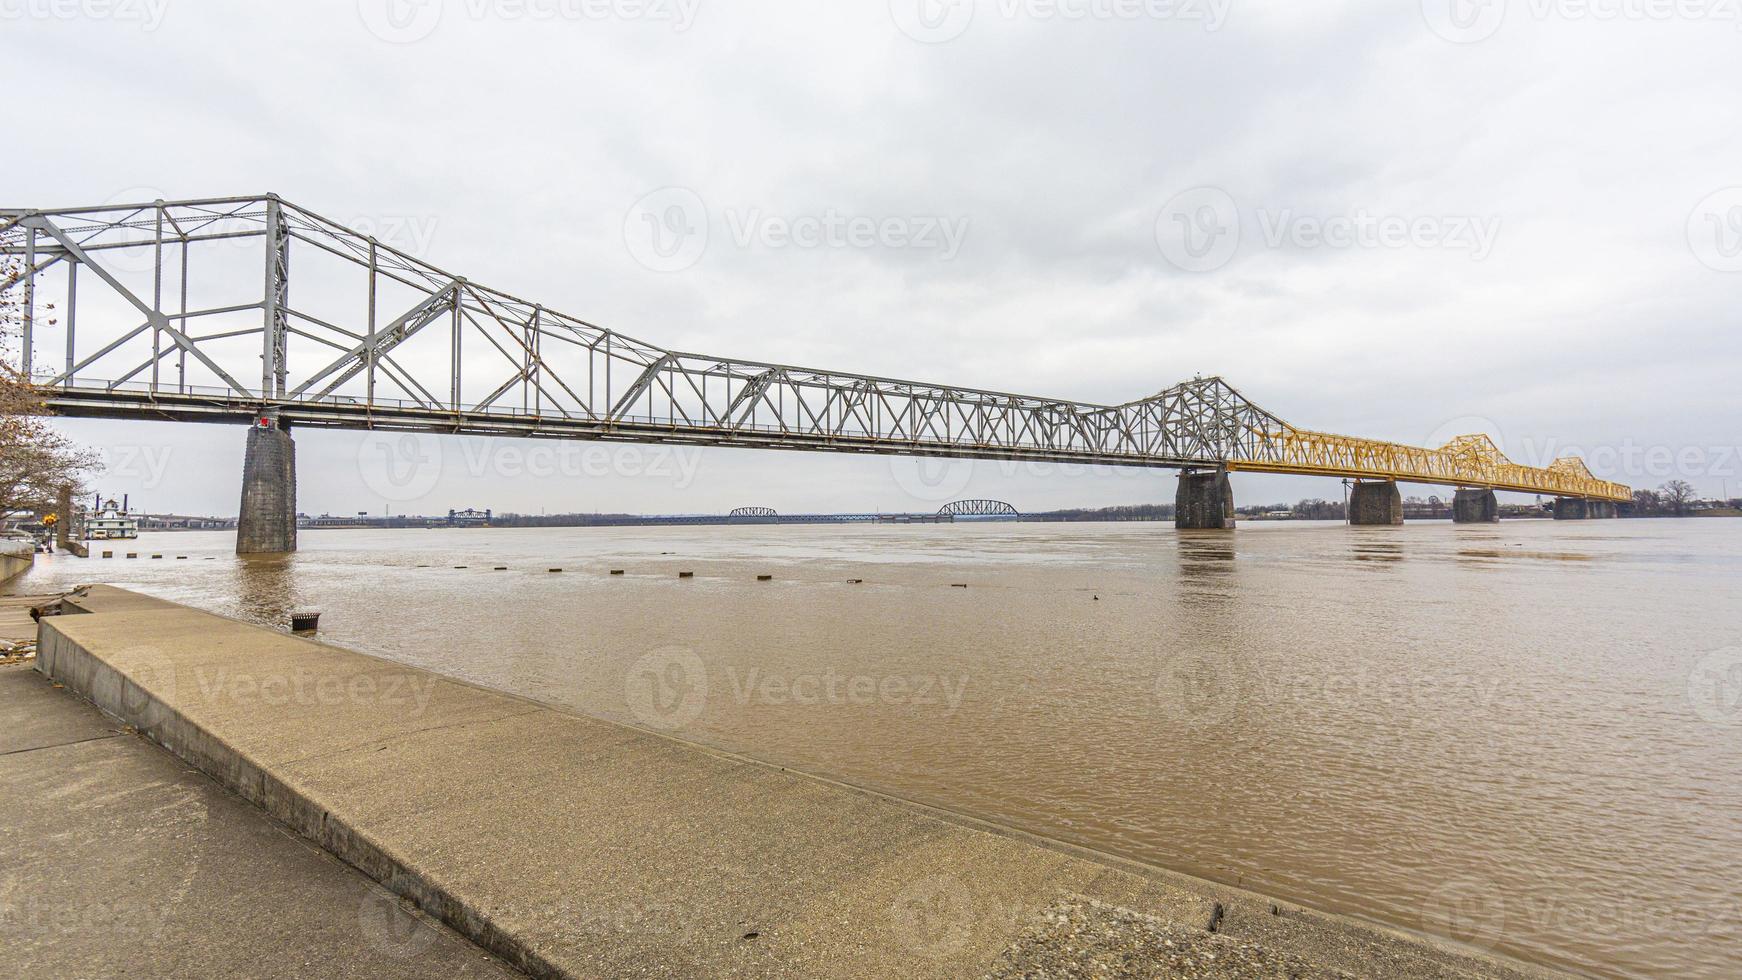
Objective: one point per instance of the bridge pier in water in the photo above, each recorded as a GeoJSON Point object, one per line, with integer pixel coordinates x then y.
{"type": "Point", "coordinates": [1204, 501]}
{"type": "Point", "coordinates": [1376, 503]}
{"type": "Point", "coordinates": [1582, 509]}
{"type": "Point", "coordinates": [1475, 507]}
{"type": "Point", "coordinates": [266, 523]}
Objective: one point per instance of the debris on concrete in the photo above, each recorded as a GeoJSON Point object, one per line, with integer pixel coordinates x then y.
{"type": "Point", "coordinates": [1083, 939]}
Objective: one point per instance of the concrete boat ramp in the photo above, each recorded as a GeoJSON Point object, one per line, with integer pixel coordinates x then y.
{"type": "Point", "coordinates": [562, 846]}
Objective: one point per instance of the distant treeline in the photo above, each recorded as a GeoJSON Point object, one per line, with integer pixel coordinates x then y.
{"type": "Point", "coordinates": [1127, 512]}
{"type": "Point", "coordinates": [564, 520]}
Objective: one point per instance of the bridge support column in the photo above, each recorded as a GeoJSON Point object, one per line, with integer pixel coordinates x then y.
{"type": "Point", "coordinates": [1205, 501]}
{"type": "Point", "coordinates": [1376, 503]}
{"type": "Point", "coordinates": [63, 528]}
{"type": "Point", "coordinates": [1475, 507]}
{"type": "Point", "coordinates": [1571, 509]}
{"type": "Point", "coordinates": [1601, 509]}
{"type": "Point", "coordinates": [266, 523]}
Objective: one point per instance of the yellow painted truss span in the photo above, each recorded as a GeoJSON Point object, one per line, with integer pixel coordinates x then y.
{"type": "Point", "coordinates": [1467, 461]}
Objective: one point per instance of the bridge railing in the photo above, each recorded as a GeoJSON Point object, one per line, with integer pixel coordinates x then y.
{"type": "Point", "coordinates": [191, 304]}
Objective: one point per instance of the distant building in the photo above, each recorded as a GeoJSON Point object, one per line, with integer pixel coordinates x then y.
{"type": "Point", "coordinates": [468, 518]}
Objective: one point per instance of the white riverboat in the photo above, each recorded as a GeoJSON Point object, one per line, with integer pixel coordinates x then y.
{"type": "Point", "coordinates": [110, 522]}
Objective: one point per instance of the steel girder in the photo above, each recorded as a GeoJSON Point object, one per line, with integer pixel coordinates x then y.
{"type": "Point", "coordinates": [359, 343]}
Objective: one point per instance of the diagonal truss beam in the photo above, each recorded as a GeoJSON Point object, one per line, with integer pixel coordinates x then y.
{"type": "Point", "coordinates": [154, 316]}
{"type": "Point", "coordinates": [566, 370]}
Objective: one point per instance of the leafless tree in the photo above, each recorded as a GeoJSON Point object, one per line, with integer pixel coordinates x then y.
{"type": "Point", "coordinates": [1677, 495]}
{"type": "Point", "coordinates": [36, 463]}
{"type": "Point", "coordinates": [1646, 503]}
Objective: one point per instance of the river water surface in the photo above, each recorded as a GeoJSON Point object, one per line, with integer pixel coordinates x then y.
{"type": "Point", "coordinates": [1526, 736]}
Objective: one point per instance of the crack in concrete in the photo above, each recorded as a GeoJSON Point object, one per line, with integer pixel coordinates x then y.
{"type": "Point", "coordinates": [76, 741]}
{"type": "Point", "coordinates": [402, 736]}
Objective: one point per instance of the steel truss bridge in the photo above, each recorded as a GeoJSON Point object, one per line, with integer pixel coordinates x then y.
{"type": "Point", "coordinates": [978, 508]}
{"type": "Point", "coordinates": [229, 309]}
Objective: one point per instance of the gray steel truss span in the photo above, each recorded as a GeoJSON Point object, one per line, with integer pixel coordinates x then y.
{"type": "Point", "coordinates": [245, 307]}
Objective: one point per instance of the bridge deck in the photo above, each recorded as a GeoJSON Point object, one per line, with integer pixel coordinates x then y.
{"type": "Point", "coordinates": [373, 337]}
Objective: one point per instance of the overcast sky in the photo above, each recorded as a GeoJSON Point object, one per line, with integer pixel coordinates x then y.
{"type": "Point", "coordinates": [1404, 220]}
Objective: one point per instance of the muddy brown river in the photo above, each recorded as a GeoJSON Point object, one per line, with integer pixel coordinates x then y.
{"type": "Point", "coordinates": [1525, 736]}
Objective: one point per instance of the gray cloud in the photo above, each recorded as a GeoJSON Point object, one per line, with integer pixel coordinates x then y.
{"type": "Point", "coordinates": [510, 149]}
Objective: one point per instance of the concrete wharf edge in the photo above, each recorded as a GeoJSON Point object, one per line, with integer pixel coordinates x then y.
{"type": "Point", "coordinates": [571, 846]}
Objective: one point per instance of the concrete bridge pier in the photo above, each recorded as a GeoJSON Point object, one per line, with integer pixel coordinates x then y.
{"type": "Point", "coordinates": [1601, 509]}
{"type": "Point", "coordinates": [1572, 509]}
{"type": "Point", "coordinates": [1204, 501]}
{"type": "Point", "coordinates": [267, 520]}
{"type": "Point", "coordinates": [1475, 507]}
{"type": "Point", "coordinates": [1376, 503]}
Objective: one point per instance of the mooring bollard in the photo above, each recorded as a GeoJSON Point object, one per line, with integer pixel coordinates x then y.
{"type": "Point", "coordinates": [304, 622]}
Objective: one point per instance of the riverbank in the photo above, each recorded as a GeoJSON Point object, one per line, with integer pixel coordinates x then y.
{"type": "Point", "coordinates": [571, 846]}
{"type": "Point", "coordinates": [120, 861]}
{"type": "Point", "coordinates": [16, 558]}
